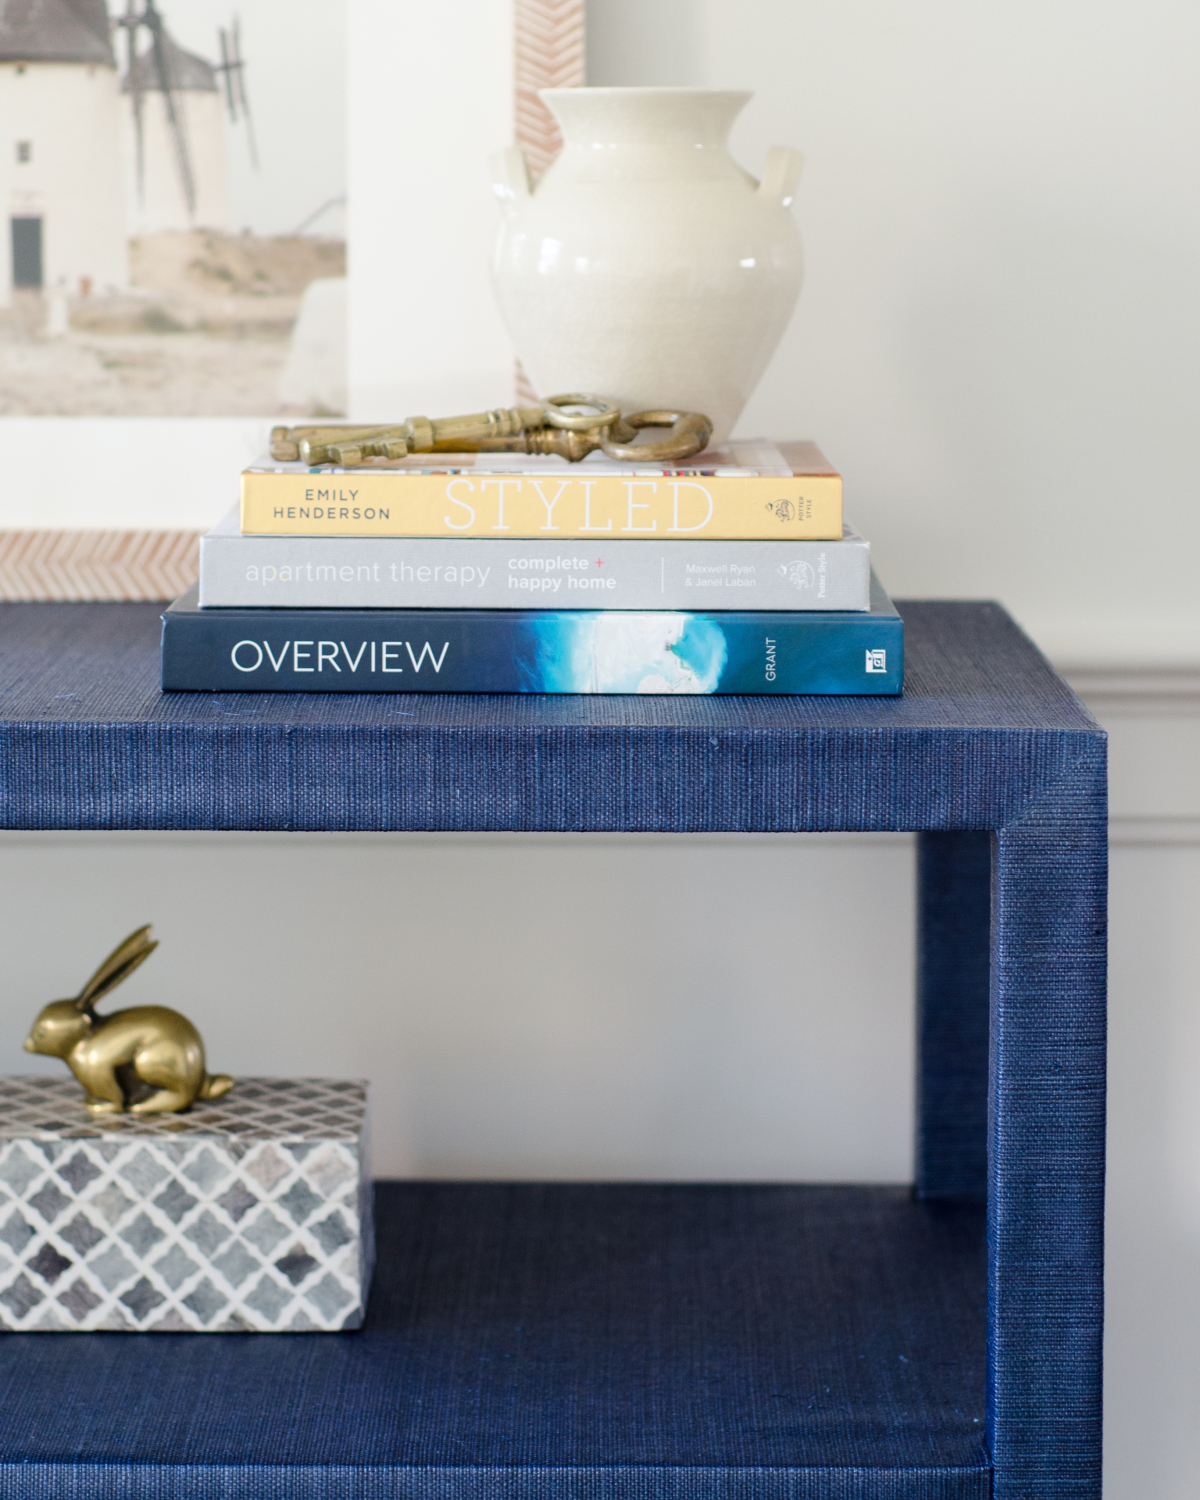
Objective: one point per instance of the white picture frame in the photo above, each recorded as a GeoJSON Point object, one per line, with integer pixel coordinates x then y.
{"type": "Point", "coordinates": [112, 507]}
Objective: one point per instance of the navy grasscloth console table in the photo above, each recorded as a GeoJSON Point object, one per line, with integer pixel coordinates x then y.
{"type": "Point", "coordinates": [643, 1342]}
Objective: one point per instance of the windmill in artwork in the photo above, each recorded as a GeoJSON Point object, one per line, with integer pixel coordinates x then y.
{"type": "Point", "coordinates": [177, 124]}
{"type": "Point", "coordinates": [232, 69]}
{"type": "Point", "coordinates": [61, 179]}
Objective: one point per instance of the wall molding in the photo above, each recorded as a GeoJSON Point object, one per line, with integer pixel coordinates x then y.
{"type": "Point", "coordinates": [1146, 709]}
{"type": "Point", "coordinates": [1154, 832]}
{"type": "Point", "coordinates": [1153, 687]}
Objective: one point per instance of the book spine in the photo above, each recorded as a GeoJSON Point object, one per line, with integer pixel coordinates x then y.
{"type": "Point", "coordinates": [476, 573]}
{"type": "Point", "coordinates": [606, 507]}
{"type": "Point", "coordinates": [539, 651]}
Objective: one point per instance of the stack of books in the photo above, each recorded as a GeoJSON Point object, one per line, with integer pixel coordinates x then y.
{"type": "Point", "coordinates": [501, 573]}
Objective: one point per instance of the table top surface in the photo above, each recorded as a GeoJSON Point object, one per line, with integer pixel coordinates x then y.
{"type": "Point", "coordinates": [90, 741]}
{"type": "Point", "coordinates": [968, 665]}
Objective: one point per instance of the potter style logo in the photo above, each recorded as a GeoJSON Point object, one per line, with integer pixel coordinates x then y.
{"type": "Point", "coordinates": [800, 575]}
{"type": "Point", "coordinates": [783, 510]}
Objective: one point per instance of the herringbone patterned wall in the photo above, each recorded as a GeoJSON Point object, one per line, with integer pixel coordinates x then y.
{"type": "Point", "coordinates": [77, 565]}
{"type": "Point", "coordinates": [549, 42]}
{"type": "Point", "coordinates": [549, 55]}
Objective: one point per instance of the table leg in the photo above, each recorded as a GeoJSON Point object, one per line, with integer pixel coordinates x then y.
{"type": "Point", "coordinates": [954, 914]}
{"type": "Point", "coordinates": [1046, 1146]}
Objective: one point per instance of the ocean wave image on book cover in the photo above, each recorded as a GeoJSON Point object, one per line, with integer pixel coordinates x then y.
{"type": "Point", "coordinates": [625, 653]}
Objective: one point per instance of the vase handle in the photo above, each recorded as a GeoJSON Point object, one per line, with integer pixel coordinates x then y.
{"type": "Point", "coordinates": [510, 178]}
{"type": "Point", "coordinates": [781, 173]}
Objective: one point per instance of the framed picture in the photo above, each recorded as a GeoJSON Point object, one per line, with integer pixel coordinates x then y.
{"type": "Point", "coordinates": [175, 182]}
{"type": "Point", "coordinates": [224, 212]}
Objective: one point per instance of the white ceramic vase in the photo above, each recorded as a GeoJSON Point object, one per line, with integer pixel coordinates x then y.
{"type": "Point", "coordinates": [646, 265]}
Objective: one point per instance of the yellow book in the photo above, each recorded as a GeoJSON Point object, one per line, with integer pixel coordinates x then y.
{"type": "Point", "coordinates": [745, 491]}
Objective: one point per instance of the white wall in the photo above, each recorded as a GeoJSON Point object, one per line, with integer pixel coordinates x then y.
{"type": "Point", "coordinates": [1152, 1372]}
{"type": "Point", "coordinates": [996, 339]}
{"type": "Point", "coordinates": [525, 1006]}
{"type": "Point", "coordinates": [424, 333]}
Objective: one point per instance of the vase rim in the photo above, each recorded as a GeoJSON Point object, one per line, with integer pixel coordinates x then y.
{"type": "Point", "coordinates": [664, 117]}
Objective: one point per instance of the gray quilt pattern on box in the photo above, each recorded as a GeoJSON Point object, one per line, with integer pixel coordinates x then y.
{"type": "Point", "coordinates": [251, 1213]}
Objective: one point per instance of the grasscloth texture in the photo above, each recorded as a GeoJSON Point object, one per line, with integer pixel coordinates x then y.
{"type": "Point", "coordinates": [953, 964]}
{"type": "Point", "coordinates": [731, 1297]}
{"type": "Point", "coordinates": [89, 742]}
{"type": "Point", "coordinates": [565, 1339]}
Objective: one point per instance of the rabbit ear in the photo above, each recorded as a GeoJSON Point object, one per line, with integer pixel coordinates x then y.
{"type": "Point", "coordinates": [119, 965]}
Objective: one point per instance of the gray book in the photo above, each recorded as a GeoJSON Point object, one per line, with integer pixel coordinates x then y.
{"type": "Point", "coordinates": [343, 572]}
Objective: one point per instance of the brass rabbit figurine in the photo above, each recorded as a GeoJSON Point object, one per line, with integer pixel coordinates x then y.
{"type": "Point", "coordinates": [147, 1060]}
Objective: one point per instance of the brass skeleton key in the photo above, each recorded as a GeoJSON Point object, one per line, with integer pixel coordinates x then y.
{"type": "Point", "coordinates": [570, 426]}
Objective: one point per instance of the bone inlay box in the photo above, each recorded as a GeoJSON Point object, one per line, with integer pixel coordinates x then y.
{"type": "Point", "coordinates": [248, 1214]}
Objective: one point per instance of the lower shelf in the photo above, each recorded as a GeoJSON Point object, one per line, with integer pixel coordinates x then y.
{"type": "Point", "coordinates": [562, 1342]}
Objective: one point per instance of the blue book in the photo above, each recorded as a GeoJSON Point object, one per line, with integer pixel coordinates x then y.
{"type": "Point", "coordinates": [531, 651]}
